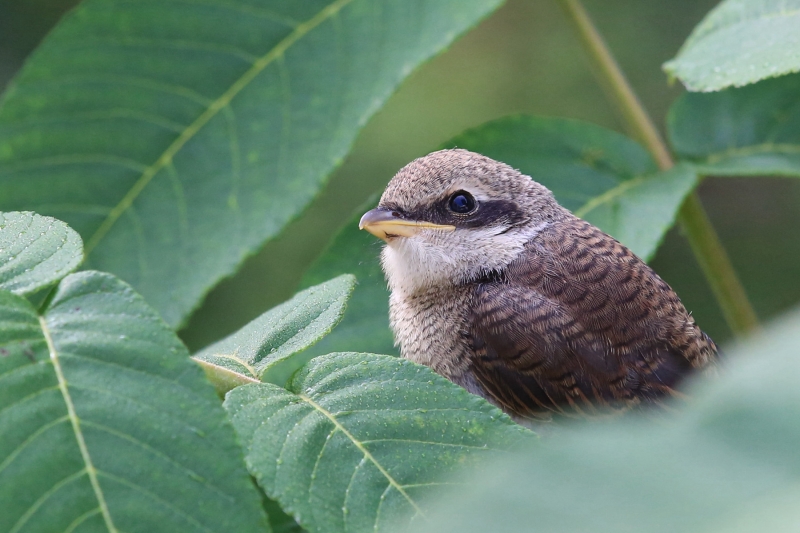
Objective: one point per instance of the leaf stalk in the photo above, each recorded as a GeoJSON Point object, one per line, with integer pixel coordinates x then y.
{"type": "Point", "coordinates": [693, 219]}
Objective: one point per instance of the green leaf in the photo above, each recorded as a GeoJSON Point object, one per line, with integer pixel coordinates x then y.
{"type": "Point", "coordinates": [268, 348]}
{"type": "Point", "coordinates": [751, 131]}
{"type": "Point", "coordinates": [601, 176]}
{"type": "Point", "coordinates": [728, 463]}
{"type": "Point", "coordinates": [106, 423]}
{"type": "Point", "coordinates": [359, 442]}
{"type": "Point", "coordinates": [35, 251]}
{"type": "Point", "coordinates": [740, 42]}
{"type": "Point", "coordinates": [365, 326]}
{"type": "Point", "coordinates": [176, 136]}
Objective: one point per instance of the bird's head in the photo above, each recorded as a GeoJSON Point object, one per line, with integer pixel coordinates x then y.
{"type": "Point", "coordinates": [454, 216]}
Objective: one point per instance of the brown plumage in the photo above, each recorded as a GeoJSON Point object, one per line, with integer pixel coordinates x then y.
{"type": "Point", "coordinates": [498, 288]}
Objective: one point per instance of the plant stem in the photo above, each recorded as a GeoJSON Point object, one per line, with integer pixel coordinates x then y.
{"type": "Point", "coordinates": [694, 221]}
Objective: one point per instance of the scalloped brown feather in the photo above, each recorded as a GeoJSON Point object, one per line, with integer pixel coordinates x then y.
{"type": "Point", "coordinates": [579, 321]}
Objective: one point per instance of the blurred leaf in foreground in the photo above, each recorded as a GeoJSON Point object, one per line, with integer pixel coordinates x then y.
{"type": "Point", "coordinates": [360, 442]}
{"type": "Point", "coordinates": [740, 42]}
{"type": "Point", "coordinates": [728, 462]}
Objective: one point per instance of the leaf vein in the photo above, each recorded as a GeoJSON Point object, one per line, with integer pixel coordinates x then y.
{"type": "Point", "coordinates": [72, 159]}
{"type": "Point", "coordinates": [609, 195]}
{"type": "Point", "coordinates": [175, 44]}
{"type": "Point", "coordinates": [81, 519]}
{"type": "Point", "coordinates": [135, 486]}
{"type": "Point", "coordinates": [363, 450]}
{"type": "Point", "coordinates": [413, 441]}
{"type": "Point", "coordinates": [211, 111]}
{"type": "Point", "coordinates": [130, 438]}
{"type": "Point", "coordinates": [32, 437]}
{"type": "Point", "coordinates": [44, 497]}
{"type": "Point", "coordinates": [76, 427]}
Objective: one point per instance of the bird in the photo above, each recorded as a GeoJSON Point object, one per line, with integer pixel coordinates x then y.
{"type": "Point", "coordinates": [503, 291]}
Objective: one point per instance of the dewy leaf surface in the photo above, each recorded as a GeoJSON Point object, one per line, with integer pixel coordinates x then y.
{"type": "Point", "coordinates": [176, 136]}
{"type": "Point", "coordinates": [267, 348]}
{"type": "Point", "coordinates": [107, 425]}
{"type": "Point", "coordinates": [359, 442]}
{"type": "Point", "coordinates": [740, 42]}
{"type": "Point", "coordinates": [727, 463]}
{"type": "Point", "coordinates": [751, 131]}
{"type": "Point", "coordinates": [35, 251]}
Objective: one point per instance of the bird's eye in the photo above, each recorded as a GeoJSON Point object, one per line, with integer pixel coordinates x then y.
{"type": "Point", "coordinates": [462, 202]}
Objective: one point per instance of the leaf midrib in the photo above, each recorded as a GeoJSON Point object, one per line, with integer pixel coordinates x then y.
{"type": "Point", "coordinates": [392, 482]}
{"type": "Point", "coordinates": [211, 110]}
{"type": "Point", "coordinates": [91, 471]}
{"type": "Point", "coordinates": [609, 195]}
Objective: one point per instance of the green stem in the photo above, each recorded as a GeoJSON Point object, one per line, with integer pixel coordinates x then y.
{"type": "Point", "coordinates": [716, 266]}
{"type": "Point", "coordinates": [702, 237]}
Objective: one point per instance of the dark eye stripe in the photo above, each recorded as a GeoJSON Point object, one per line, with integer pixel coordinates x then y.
{"type": "Point", "coordinates": [489, 213]}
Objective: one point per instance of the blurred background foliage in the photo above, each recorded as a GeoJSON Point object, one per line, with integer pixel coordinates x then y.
{"type": "Point", "coordinates": [524, 58]}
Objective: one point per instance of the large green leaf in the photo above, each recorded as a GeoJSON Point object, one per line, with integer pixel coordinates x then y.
{"type": "Point", "coordinates": [360, 442]}
{"type": "Point", "coordinates": [751, 131]}
{"type": "Point", "coordinates": [365, 326]}
{"type": "Point", "coordinates": [177, 135]}
{"type": "Point", "coordinates": [268, 348]}
{"type": "Point", "coordinates": [728, 463]}
{"type": "Point", "coordinates": [740, 42]}
{"type": "Point", "coordinates": [107, 425]}
{"type": "Point", "coordinates": [35, 251]}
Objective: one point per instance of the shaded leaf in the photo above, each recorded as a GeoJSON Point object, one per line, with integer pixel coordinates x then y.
{"type": "Point", "coordinates": [740, 42]}
{"type": "Point", "coordinates": [176, 136]}
{"type": "Point", "coordinates": [365, 326]}
{"type": "Point", "coordinates": [35, 251]}
{"type": "Point", "coordinates": [267, 348]}
{"type": "Point", "coordinates": [729, 462]}
{"type": "Point", "coordinates": [751, 131]}
{"type": "Point", "coordinates": [359, 442]}
{"type": "Point", "coordinates": [106, 423]}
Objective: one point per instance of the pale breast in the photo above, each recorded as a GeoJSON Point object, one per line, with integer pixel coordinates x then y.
{"type": "Point", "coordinates": [431, 329]}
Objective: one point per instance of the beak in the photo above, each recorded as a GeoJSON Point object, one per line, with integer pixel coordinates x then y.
{"type": "Point", "coordinates": [385, 223]}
